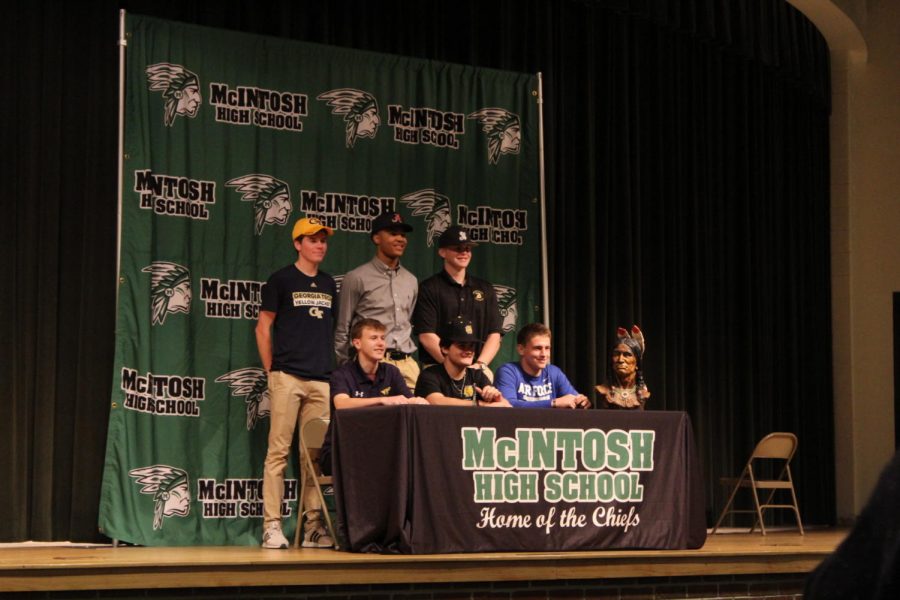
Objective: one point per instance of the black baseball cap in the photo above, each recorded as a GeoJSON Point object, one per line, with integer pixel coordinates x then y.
{"type": "Point", "coordinates": [389, 220]}
{"type": "Point", "coordinates": [460, 332]}
{"type": "Point", "coordinates": [454, 236]}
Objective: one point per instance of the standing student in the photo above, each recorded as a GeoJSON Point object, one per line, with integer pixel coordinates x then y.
{"type": "Point", "coordinates": [455, 295]}
{"type": "Point", "coordinates": [384, 290]}
{"type": "Point", "coordinates": [294, 336]}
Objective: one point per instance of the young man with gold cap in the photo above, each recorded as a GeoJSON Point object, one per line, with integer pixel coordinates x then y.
{"type": "Point", "coordinates": [295, 339]}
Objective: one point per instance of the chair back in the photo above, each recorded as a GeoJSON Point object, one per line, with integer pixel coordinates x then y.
{"type": "Point", "coordinates": [312, 436]}
{"type": "Point", "coordinates": [776, 445]}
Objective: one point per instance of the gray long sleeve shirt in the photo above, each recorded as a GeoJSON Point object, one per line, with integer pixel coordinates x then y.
{"type": "Point", "coordinates": [375, 291]}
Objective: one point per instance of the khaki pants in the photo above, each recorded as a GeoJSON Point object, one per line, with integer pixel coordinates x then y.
{"type": "Point", "coordinates": [408, 368]}
{"type": "Point", "coordinates": [290, 397]}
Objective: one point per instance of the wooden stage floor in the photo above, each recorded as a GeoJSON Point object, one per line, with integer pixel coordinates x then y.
{"type": "Point", "coordinates": [71, 567]}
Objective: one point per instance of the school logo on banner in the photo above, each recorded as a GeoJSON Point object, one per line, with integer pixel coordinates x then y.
{"type": "Point", "coordinates": [239, 498]}
{"type": "Point", "coordinates": [258, 107]}
{"type": "Point", "coordinates": [231, 298]}
{"type": "Point", "coordinates": [434, 207]}
{"type": "Point", "coordinates": [509, 309]}
{"type": "Point", "coordinates": [504, 133]}
{"type": "Point", "coordinates": [486, 224]}
{"type": "Point", "coordinates": [345, 212]}
{"type": "Point", "coordinates": [170, 488]}
{"type": "Point", "coordinates": [359, 109]}
{"type": "Point", "coordinates": [164, 395]}
{"type": "Point", "coordinates": [252, 385]}
{"type": "Point", "coordinates": [271, 198]}
{"type": "Point", "coordinates": [170, 290]}
{"type": "Point", "coordinates": [180, 90]}
{"type": "Point", "coordinates": [172, 196]}
{"type": "Point", "coordinates": [426, 126]}
{"type": "Point", "coordinates": [589, 468]}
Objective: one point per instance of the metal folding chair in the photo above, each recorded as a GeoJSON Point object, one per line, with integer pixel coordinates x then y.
{"type": "Point", "coordinates": [311, 437]}
{"type": "Point", "coordinates": [777, 446]}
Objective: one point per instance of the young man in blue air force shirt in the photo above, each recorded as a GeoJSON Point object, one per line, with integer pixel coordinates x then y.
{"type": "Point", "coordinates": [533, 382]}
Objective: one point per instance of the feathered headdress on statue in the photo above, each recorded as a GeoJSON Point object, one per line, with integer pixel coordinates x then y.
{"type": "Point", "coordinates": [634, 339]}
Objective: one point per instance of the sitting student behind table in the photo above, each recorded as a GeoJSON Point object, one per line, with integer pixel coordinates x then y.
{"type": "Point", "coordinates": [365, 380]}
{"type": "Point", "coordinates": [453, 382]}
{"type": "Point", "coordinates": [626, 389]}
{"type": "Point", "coordinates": [533, 382]}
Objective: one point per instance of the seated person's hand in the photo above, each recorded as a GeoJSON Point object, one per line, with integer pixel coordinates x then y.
{"type": "Point", "coordinates": [489, 394]}
{"type": "Point", "coordinates": [572, 401]}
{"type": "Point", "coordinates": [394, 400]}
{"type": "Point", "coordinates": [416, 400]}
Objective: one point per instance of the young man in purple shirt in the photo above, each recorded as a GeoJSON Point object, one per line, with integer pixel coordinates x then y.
{"type": "Point", "coordinates": [533, 382]}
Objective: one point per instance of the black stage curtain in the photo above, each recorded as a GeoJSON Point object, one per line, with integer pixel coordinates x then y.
{"type": "Point", "coordinates": [687, 163]}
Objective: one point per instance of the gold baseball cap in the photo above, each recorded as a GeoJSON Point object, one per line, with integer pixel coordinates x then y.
{"type": "Point", "coordinates": [309, 226]}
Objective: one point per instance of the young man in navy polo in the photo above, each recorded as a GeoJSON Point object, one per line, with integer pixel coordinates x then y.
{"type": "Point", "coordinates": [295, 339]}
{"type": "Point", "coordinates": [366, 380]}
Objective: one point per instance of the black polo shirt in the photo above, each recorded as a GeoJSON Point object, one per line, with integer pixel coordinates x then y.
{"type": "Point", "coordinates": [442, 300]}
{"type": "Point", "coordinates": [350, 379]}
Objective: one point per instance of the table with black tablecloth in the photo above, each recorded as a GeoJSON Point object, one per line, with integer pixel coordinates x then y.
{"type": "Point", "coordinates": [431, 479]}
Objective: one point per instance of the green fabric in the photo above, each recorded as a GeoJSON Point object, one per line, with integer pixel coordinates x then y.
{"type": "Point", "coordinates": [230, 138]}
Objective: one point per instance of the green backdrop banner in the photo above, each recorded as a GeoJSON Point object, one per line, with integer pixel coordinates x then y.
{"type": "Point", "coordinates": [229, 138]}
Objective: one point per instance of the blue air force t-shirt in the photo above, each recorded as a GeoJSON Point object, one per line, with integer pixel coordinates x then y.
{"type": "Point", "coordinates": [523, 390]}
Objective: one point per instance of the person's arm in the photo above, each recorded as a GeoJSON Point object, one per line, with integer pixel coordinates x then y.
{"type": "Point", "coordinates": [489, 349]}
{"type": "Point", "coordinates": [348, 299]}
{"type": "Point", "coordinates": [493, 328]}
{"type": "Point", "coordinates": [432, 344]}
{"type": "Point", "coordinates": [343, 401]}
{"type": "Point", "coordinates": [264, 338]}
{"type": "Point", "coordinates": [568, 395]}
{"type": "Point", "coordinates": [425, 323]}
{"type": "Point", "coordinates": [489, 395]}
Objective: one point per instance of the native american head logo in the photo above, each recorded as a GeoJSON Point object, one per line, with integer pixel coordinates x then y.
{"type": "Point", "coordinates": [180, 90]}
{"type": "Point", "coordinates": [503, 131]}
{"type": "Point", "coordinates": [509, 308]}
{"type": "Point", "coordinates": [170, 488]}
{"type": "Point", "coordinates": [359, 109]}
{"type": "Point", "coordinates": [271, 198]}
{"type": "Point", "coordinates": [253, 385]}
{"type": "Point", "coordinates": [170, 289]}
{"type": "Point", "coordinates": [434, 207]}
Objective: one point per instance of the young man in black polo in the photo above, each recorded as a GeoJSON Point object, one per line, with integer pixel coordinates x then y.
{"type": "Point", "coordinates": [453, 295]}
{"type": "Point", "coordinates": [454, 382]}
{"type": "Point", "coordinates": [366, 380]}
{"type": "Point", "coordinates": [295, 339]}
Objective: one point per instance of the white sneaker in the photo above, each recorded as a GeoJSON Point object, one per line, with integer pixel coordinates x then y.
{"type": "Point", "coordinates": [273, 537]}
{"type": "Point", "coordinates": [314, 533]}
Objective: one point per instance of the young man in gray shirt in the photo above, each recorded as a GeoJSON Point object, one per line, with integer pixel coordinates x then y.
{"type": "Point", "coordinates": [383, 290]}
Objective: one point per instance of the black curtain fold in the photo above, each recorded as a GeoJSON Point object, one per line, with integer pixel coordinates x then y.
{"type": "Point", "coordinates": [687, 183]}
